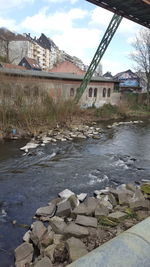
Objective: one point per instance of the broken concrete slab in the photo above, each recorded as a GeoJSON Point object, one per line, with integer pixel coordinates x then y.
{"type": "Point", "coordinates": [38, 231]}
{"type": "Point", "coordinates": [63, 209]}
{"type": "Point", "coordinates": [101, 210]}
{"type": "Point", "coordinates": [86, 221]}
{"type": "Point", "coordinates": [74, 201]}
{"type": "Point", "coordinates": [139, 204]}
{"type": "Point", "coordinates": [76, 230]}
{"type": "Point", "coordinates": [57, 225]}
{"type": "Point", "coordinates": [81, 209]}
{"type": "Point", "coordinates": [91, 204]}
{"type": "Point", "coordinates": [47, 211]}
{"type": "Point", "coordinates": [24, 254]}
{"type": "Point", "coordinates": [66, 193]}
{"type": "Point", "coordinates": [82, 197]}
{"type": "Point", "coordinates": [45, 262]}
{"type": "Point", "coordinates": [76, 248]}
{"type": "Point", "coordinates": [117, 216]}
{"type": "Point", "coordinates": [49, 252]}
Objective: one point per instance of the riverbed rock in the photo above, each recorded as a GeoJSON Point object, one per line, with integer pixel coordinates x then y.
{"type": "Point", "coordinates": [91, 204]}
{"type": "Point", "coordinates": [58, 238]}
{"type": "Point", "coordinates": [24, 254]}
{"type": "Point", "coordinates": [74, 201]}
{"type": "Point", "coordinates": [112, 199]}
{"type": "Point", "coordinates": [86, 221]}
{"type": "Point", "coordinates": [122, 195]}
{"type": "Point", "coordinates": [81, 209]}
{"type": "Point", "coordinates": [47, 211]}
{"type": "Point", "coordinates": [131, 187]}
{"type": "Point", "coordinates": [47, 239]}
{"type": "Point", "coordinates": [117, 216]}
{"type": "Point", "coordinates": [26, 236]}
{"type": "Point", "coordinates": [45, 262]}
{"type": "Point", "coordinates": [139, 204]}
{"type": "Point", "coordinates": [63, 209]}
{"type": "Point", "coordinates": [38, 231]}
{"type": "Point", "coordinates": [66, 193]}
{"type": "Point", "coordinates": [57, 225]}
{"type": "Point", "coordinates": [76, 248]}
{"type": "Point", "coordinates": [49, 252]}
{"type": "Point", "coordinates": [76, 230]}
{"type": "Point", "coordinates": [60, 253]}
{"type": "Point", "coordinates": [101, 210]}
{"type": "Point", "coordinates": [82, 197]}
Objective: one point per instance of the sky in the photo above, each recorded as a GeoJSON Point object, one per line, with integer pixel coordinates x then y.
{"type": "Point", "coordinates": [76, 26]}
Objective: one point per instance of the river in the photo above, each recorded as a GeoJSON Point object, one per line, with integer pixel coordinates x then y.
{"type": "Point", "coordinates": [27, 182]}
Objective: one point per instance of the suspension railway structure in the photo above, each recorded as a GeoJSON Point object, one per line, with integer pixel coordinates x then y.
{"type": "Point", "coordinates": [135, 10]}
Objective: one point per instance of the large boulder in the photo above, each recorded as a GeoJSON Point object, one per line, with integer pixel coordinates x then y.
{"type": "Point", "coordinates": [76, 248]}
{"type": "Point", "coordinates": [91, 204]}
{"type": "Point", "coordinates": [101, 210]}
{"type": "Point", "coordinates": [38, 231]}
{"type": "Point", "coordinates": [57, 225]}
{"type": "Point", "coordinates": [24, 254]}
{"type": "Point", "coordinates": [49, 252]}
{"type": "Point", "coordinates": [76, 230]}
{"type": "Point", "coordinates": [81, 209]}
{"type": "Point", "coordinates": [117, 216]}
{"type": "Point", "coordinates": [86, 221]}
{"type": "Point", "coordinates": [47, 211]}
{"type": "Point", "coordinates": [66, 193]}
{"type": "Point", "coordinates": [45, 262]}
{"type": "Point", "coordinates": [63, 209]}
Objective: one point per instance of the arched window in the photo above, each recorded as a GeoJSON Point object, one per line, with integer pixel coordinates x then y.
{"type": "Point", "coordinates": [104, 92]}
{"type": "Point", "coordinates": [72, 92]}
{"type": "Point", "coordinates": [95, 92]}
{"type": "Point", "coordinates": [90, 92]}
{"type": "Point", "coordinates": [108, 92]}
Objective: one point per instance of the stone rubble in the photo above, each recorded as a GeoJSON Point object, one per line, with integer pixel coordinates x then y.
{"type": "Point", "coordinates": [72, 225]}
{"type": "Point", "coordinates": [55, 135]}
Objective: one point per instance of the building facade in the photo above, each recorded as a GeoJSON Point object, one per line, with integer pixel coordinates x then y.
{"type": "Point", "coordinates": [128, 81]}
{"type": "Point", "coordinates": [62, 87]}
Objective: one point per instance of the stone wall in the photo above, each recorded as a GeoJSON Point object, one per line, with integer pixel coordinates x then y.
{"type": "Point", "coordinates": [60, 89]}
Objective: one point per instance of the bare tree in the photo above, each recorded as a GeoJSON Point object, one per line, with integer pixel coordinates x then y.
{"type": "Point", "coordinates": [141, 56]}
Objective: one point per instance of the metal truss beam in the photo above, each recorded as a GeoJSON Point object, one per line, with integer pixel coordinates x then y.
{"type": "Point", "coordinates": [113, 25]}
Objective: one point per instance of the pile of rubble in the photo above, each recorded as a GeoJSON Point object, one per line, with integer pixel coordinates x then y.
{"type": "Point", "coordinates": [80, 132]}
{"type": "Point", "coordinates": [72, 225]}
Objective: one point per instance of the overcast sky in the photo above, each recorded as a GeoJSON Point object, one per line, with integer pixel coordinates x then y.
{"type": "Point", "coordinates": [76, 26]}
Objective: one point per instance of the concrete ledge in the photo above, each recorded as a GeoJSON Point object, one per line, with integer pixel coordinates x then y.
{"type": "Point", "coordinates": [129, 249]}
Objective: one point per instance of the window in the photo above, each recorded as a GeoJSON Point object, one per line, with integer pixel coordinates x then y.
{"type": "Point", "coordinates": [108, 92]}
{"type": "Point", "coordinates": [90, 92]}
{"type": "Point", "coordinates": [72, 92]}
{"type": "Point", "coordinates": [95, 92]}
{"type": "Point", "coordinates": [104, 92]}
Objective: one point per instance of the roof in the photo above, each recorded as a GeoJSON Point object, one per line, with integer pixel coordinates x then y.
{"type": "Point", "coordinates": [51, 75]}
{"type": "Point", "coordinates": [12, 66]}
{"type": "Point", "coordinates": [32, 62]}
{"type": "Point", "coordinates": [135, 10]}
{"type": "Point", "coordinates": [67, 67]}
{"type": "Point", "coordinates": [134, 75]}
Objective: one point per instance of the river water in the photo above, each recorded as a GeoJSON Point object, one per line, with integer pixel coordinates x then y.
{"type": "Point", "coordinates": [27, 182]}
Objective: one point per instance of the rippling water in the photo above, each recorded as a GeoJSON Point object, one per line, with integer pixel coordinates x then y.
{"type": "Point", "coordinates": [29, 181]}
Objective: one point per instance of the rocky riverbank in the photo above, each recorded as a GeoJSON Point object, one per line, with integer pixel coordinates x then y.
{"type": "Point", "coordinates": [71, 225]}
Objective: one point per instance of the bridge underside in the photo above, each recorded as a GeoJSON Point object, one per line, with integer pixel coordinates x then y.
{"type": "Point", "coordinates": [135, 10]}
